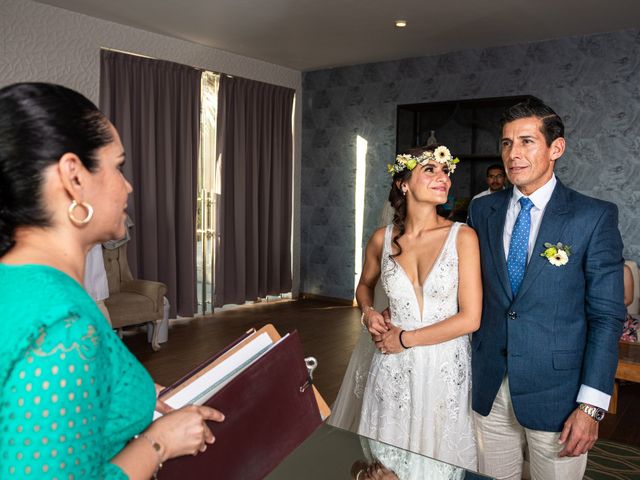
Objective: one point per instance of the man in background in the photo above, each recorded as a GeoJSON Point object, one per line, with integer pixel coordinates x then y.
{"type": "Point", "coordinates": [495, 180]}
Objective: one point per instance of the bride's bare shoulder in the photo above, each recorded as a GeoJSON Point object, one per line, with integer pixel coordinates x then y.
{"type": "Point", "coordinates": [378, 236]}
{"type": "Point", "coordinates": [467, 236]}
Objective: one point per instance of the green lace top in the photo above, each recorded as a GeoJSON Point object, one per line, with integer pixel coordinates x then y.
{"type": "Point", "coordinates": [71, 394]}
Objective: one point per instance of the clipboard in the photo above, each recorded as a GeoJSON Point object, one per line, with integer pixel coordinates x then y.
{"type": "Point", "coordinates": [270, 407]}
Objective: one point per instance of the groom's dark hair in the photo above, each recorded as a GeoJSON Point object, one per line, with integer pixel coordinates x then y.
{"type": "Point", "coordinates": [552, 126]}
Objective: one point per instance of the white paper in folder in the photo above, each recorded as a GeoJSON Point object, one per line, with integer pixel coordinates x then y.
{"type": "Point", "coordinates": [211, 381]}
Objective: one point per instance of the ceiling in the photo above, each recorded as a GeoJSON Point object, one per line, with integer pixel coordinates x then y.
{"type": "Point", "coordinates": [314, 34]}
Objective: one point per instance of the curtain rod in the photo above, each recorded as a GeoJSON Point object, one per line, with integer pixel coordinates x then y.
{"type": "Point", "coordinates": [154, 58]}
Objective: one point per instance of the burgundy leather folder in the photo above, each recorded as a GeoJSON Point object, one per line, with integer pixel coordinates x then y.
{"type": "Point", "coordinates": [269, 410]}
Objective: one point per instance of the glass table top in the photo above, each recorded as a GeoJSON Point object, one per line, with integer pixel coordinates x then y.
{"type": "Point", "coordinates": [333, 453]}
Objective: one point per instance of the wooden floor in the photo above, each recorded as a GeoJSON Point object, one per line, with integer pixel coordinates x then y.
{"type": "Point", "coordinates": [328, 332]}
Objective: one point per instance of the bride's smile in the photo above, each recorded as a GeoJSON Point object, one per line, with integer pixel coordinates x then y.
{"type": "Point", "coordinates": [433, 179]}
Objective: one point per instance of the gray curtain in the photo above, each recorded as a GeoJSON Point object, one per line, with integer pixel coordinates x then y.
{"type": "Point", "coordinates": [155, 106]}
{"type": "Point", "coordinates": [255, 142]}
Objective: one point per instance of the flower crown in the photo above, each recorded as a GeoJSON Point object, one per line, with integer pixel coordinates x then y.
{"type": "Point", "coordinates": [409, 162]}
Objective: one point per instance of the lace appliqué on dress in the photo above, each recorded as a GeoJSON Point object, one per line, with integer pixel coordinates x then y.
{"type": "Point", "coordinates": [395, 393]}
{"type": "Point", "coordinates": [360, 382]}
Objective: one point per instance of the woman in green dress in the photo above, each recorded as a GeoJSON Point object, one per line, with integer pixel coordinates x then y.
{"type": "Point", "coordinates": [74, 403]}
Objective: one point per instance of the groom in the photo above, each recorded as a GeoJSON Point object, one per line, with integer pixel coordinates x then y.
{"type": "Point", "coordinates": [545, 355]}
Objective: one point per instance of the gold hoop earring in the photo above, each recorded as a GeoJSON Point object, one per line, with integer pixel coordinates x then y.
{"type": "Point", "coordinates": [84, 205]}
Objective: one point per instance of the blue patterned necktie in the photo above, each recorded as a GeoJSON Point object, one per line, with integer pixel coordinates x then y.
{"type": "Point", "coordinates": [519, 246]}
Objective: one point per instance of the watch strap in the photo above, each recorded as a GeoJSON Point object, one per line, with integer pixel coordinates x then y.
{"type": "Point", "coordinates": [594, 412]}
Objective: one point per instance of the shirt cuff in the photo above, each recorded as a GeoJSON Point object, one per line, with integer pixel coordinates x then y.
{"type": "Point", "coordinates": [593, 397]}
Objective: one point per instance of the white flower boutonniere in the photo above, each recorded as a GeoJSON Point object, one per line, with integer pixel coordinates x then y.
{"type": "Point", "coordinates": [557, 254]}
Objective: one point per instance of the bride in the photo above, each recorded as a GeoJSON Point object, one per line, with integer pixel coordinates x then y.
{"type": "Point", "coordinates": [417, 393]}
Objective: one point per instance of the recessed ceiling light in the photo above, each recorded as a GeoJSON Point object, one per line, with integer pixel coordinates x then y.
{"type": "Point", "coordinates": [401, 23]}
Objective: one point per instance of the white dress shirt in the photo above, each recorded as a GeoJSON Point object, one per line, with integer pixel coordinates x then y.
{"type": "Point", "coordinates": [540, 198]}
{"type": "Point", "coordinates": [95, 275]}
{"type": "Point", "coordinates": [483, 193]}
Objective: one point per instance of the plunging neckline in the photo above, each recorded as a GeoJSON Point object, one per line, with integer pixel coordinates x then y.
{"type": "Point", "coordinates": [428, 276]}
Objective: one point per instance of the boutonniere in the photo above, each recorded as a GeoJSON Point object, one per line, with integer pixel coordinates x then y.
{"type": "Point", "coordinates": [557, 254]}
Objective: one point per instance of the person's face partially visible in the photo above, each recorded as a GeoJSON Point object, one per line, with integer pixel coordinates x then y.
{"type": "Point", "coordinates": [495, 179]}
{"type": "Point", "coordinates": [110, 189]}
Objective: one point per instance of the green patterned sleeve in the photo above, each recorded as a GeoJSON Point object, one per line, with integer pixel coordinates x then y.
{"type": "Point", "coordinates": [54, 407]}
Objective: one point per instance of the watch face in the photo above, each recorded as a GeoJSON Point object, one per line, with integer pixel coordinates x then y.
{"type": "Point", "coordinates": [599, 414]}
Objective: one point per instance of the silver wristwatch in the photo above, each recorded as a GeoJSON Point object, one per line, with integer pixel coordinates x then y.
{"type": "Point", "coordinates": [594, 412]}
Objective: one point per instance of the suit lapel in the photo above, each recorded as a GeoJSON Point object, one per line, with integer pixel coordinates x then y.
{"type": "Point", "coordinates": [551, 228]}
{"type": "Point", "coordinates": [495, 226]}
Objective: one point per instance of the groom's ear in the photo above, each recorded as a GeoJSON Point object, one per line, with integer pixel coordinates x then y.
{"type": "Point", "coordinates": [557, 148]}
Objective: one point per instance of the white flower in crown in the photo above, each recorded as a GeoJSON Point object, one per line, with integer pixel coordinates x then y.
{"type": "Point", "coordinates": [406, 161]}
{"type": "Point", "coordinates": [442, 154]}
{"type": "Point", "coordinates": [557, 254]}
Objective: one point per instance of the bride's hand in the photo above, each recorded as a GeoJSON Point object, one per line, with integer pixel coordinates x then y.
{"type": "Point", "coordinates": [389, 342]}
{"type": "Point", "coordinates": [386, 314]}
{"type": "Point", "coordinates": [374, 322]}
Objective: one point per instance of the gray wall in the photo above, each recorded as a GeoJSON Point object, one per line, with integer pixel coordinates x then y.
{"type": "Point", "coordinates": [593, 82]}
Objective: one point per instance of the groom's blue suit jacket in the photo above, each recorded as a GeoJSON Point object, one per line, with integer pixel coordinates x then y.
{"type": "Point", "coordinates": [562, 329]}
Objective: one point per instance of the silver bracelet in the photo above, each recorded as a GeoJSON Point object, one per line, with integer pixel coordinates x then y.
{"type": "Point", "coordinates": [364, 311]}
{"type": "Point", "coordinates": [156, 448]}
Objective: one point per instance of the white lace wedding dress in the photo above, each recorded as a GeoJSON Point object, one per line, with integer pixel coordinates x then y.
{"type": "Point", "coordinates": [420, 398]}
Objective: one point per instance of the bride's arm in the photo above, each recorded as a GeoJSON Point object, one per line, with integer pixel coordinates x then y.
{"type": "Point", "coordinates": [467, 319]}
{"type": "Point", "coordinates": [372, 320]}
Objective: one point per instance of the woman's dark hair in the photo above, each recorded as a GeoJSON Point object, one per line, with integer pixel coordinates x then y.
{"type": "Point", "coordinates": [397, 199]}
{"type": "Point", "coordinates": [40, 122]}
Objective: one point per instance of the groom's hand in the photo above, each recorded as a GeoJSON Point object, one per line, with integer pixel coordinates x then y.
{"type": "Point", "coordinates": [579, 434]}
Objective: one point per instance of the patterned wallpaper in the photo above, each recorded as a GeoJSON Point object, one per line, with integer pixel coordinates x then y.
{"type": "Point", "coordinates": [43, 43]}
{"type": "Point", "coordinates": [593, 82]}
